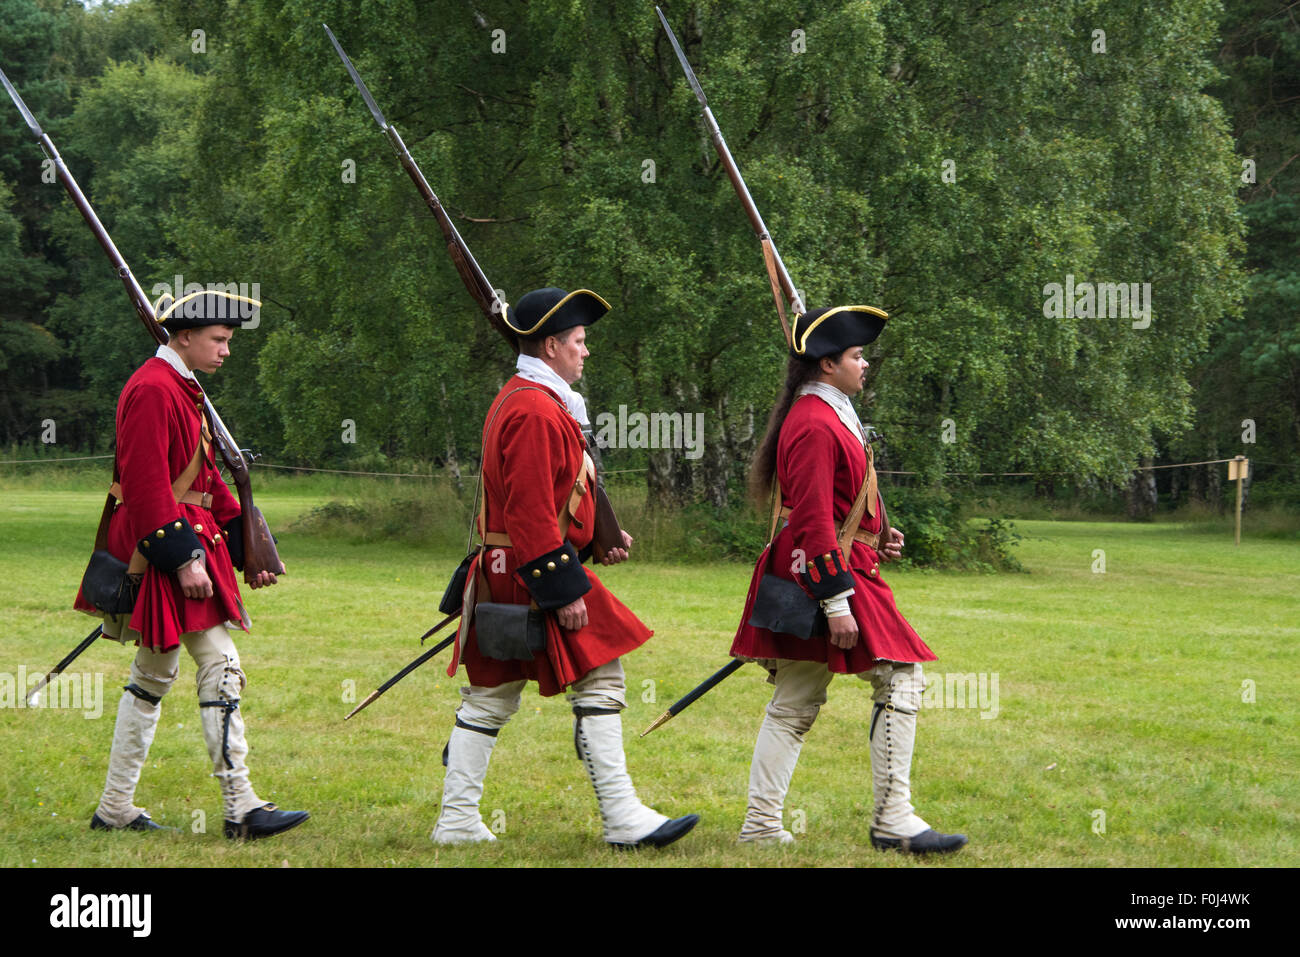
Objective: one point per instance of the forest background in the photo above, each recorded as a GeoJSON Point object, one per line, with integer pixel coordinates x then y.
{"type": "Point", "coordinates": [948, 162]}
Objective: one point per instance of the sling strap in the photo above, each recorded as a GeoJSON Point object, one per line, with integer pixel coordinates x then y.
{"type": "Point", "coordinates": [477, 585]}
{"type": "Point", "coordinates": [181, 492]}
{"type": "Point", "coordinates": [567, 511]}
{"type": "Point", "coordinates": [851, 530]}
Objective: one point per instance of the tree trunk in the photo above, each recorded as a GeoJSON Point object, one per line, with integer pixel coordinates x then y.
{"type": "Point", "coordinates": [1142, 498]}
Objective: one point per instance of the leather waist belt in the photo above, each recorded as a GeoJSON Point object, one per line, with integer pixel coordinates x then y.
{"type": "Point", "coordinates": [497, 540]}
{"type": "Point", "coordinates": [192, 497]}
{"type": "Point", "coordinates": [870, 539]}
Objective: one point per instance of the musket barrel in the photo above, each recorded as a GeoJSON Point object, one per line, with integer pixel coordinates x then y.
{"type": "Point", "coordinates": [133, 289]}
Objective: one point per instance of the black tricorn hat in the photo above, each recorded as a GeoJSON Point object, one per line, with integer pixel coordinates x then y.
{"type": "Point", "coordinates": [205, 308]}
{"type": "Point", "coordinates": [549, 311]}
{"type": "Point", "coordinates": [831, 329]}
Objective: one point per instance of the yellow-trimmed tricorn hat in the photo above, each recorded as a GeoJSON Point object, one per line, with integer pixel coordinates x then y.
{"type": "Point", "coordinates": [549, 311]}
{"type": "Point", "coordinates": [204, 308]}
{"type": "Point", "coordinates": [823, 332]}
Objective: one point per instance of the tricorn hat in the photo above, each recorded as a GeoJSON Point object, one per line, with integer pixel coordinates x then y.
{"type": "Point", "coordinates": [550, 311]}
{"type": "Point", "coordinates": [831, 329]}
{"type": "Point", "coordinates": [204, 308]}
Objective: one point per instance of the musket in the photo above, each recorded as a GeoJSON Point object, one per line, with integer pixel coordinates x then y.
{"type": "Point", "coordinates": [413, 665]}
{"type": "Point", "coordinates": [482, 291]}
{"type": "Point", "coordinates": [776, 271]}
{"type": "Point", "coordinates": [688, 699]}
{"type": "Point", "coordinates": [69, 659]}
{"type": "Point", "coordinates": [607, 531]}
{"type": "Point", "coordinates": [259, 547]}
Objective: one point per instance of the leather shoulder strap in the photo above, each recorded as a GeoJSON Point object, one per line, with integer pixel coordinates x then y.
{"type": "Point", "coordinates": [570, 504]}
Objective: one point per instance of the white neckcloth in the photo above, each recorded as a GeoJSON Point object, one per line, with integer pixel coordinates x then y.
{"type": "Point", "coordinates": [842, 405]}
{"type": "Point", "coordinates": [535, 370]}
{"type": "Point", "coordinates": [168, 355]}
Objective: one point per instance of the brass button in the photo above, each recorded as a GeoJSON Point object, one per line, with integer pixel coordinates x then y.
{"type": "Point", "coordinates": [875, 570]}
{"type": "Point", "coordinates": [176, 525]}
{"type": "Point", "coordinates": [198, 528]}
{"type": "Point", "coordinates": [550, 566]}
{"type": "Point", "coordinates": [537, 573]}
{"type": "Point", "coordinates": [564, 559]}
{"type": "Point", "coordinates": [146, 543]}
{"type": "Point", "coordinates": [826, 557]}
{"type": "Point", "coordinates": [216, 536]}
{"type": "Point", "coordinates": [160, 533]}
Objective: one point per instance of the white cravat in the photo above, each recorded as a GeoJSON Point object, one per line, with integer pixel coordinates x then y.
{"type": "Point", "coordinates": [168, 355]}
{"type": "Point", "coordinates": [842, 405]}
{"type": "Point", "coordinates": [535, 370]}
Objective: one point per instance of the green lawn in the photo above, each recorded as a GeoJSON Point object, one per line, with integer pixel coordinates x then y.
{"type": "Point", "coordinates": [1120, 694]}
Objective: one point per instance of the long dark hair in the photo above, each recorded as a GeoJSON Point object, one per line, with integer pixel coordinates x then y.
{"type": "Point", "coordinates": [762, 473]}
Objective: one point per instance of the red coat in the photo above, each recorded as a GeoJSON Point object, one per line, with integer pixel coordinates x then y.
{"type": "Point", "coordinates": [532, 456]}
{"type": "Point", "coordinates": [821, 465]}
{"type": "Point", "coordinates": [158, 423]}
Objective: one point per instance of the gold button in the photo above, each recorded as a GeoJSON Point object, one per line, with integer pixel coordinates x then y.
{"type": "Point", "coordinates": [198, 528]}
{"type": "Point", "coordinates": [550, 566]}
{"type": "Point", "coordinates": [537, 573]}
{"type": "Point", "coordinates": [564, 559]}
{"type": "Point", "coordinates": [176, 525]}
{"type": "Point", "coordinates": [160, 533]}
{"type": "Point", "coordinates": [826, 557]}
{"type": "Point", "coordinates": [216, 536]}
{"type": "Point", "coordinates": [875, 570]}
{"type": "Point", "coordinates": [146, 543]}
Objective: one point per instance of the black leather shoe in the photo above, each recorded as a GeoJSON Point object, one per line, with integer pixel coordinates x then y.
{"type": "Point", "coordinates": [142, 823]}
{"type": "Point", "coordinates": [664, 835]}
{"type": "Point", "coordinates": [264, 821]}
{"type": "Point", "coordinates": [927, 842]}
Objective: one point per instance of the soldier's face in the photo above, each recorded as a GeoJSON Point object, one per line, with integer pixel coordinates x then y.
{"type": "Point", "coordinates": [204, 349]}
{"type": "Point", "coordinates": [565, 355]}
{"type": "Point", "coordinates": [849, 375]}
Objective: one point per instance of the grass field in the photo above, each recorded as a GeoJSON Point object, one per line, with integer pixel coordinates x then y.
{"type": "Point", "coordinates": [1144, 715]}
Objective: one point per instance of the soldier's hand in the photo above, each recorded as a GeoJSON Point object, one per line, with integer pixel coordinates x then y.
{"type": "Point", "coordinates": [194, 580]}
{"type": "Point", "coordinates": [616, 555]}
{"type": "Point", "coordinates": [573, 615]}
{"type": "Point", "coordinates": [264, 577]}
{"type": "Point", "coordinates": [844, 631]}
{"type": "Point", "coordinates": [892, 548]}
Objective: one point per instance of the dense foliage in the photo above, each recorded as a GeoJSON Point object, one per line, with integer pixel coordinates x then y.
{"type": "Point", "coordinates": [947, 163]}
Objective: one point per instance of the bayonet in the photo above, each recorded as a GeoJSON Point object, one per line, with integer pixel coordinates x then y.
{"type": "Point", "coordinates": [493, 306]}
{"type": "Point", "coordinates": [777, 273]}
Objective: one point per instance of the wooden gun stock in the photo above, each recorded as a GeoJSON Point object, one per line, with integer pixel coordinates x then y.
{"type": "Point", "coordinates": [607, 534]}
{"type": "Point", "coordinates": [259, 547]}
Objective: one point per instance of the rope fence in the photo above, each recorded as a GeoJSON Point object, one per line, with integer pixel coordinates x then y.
{"type": "Point", "coordinates": [474, 475]}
